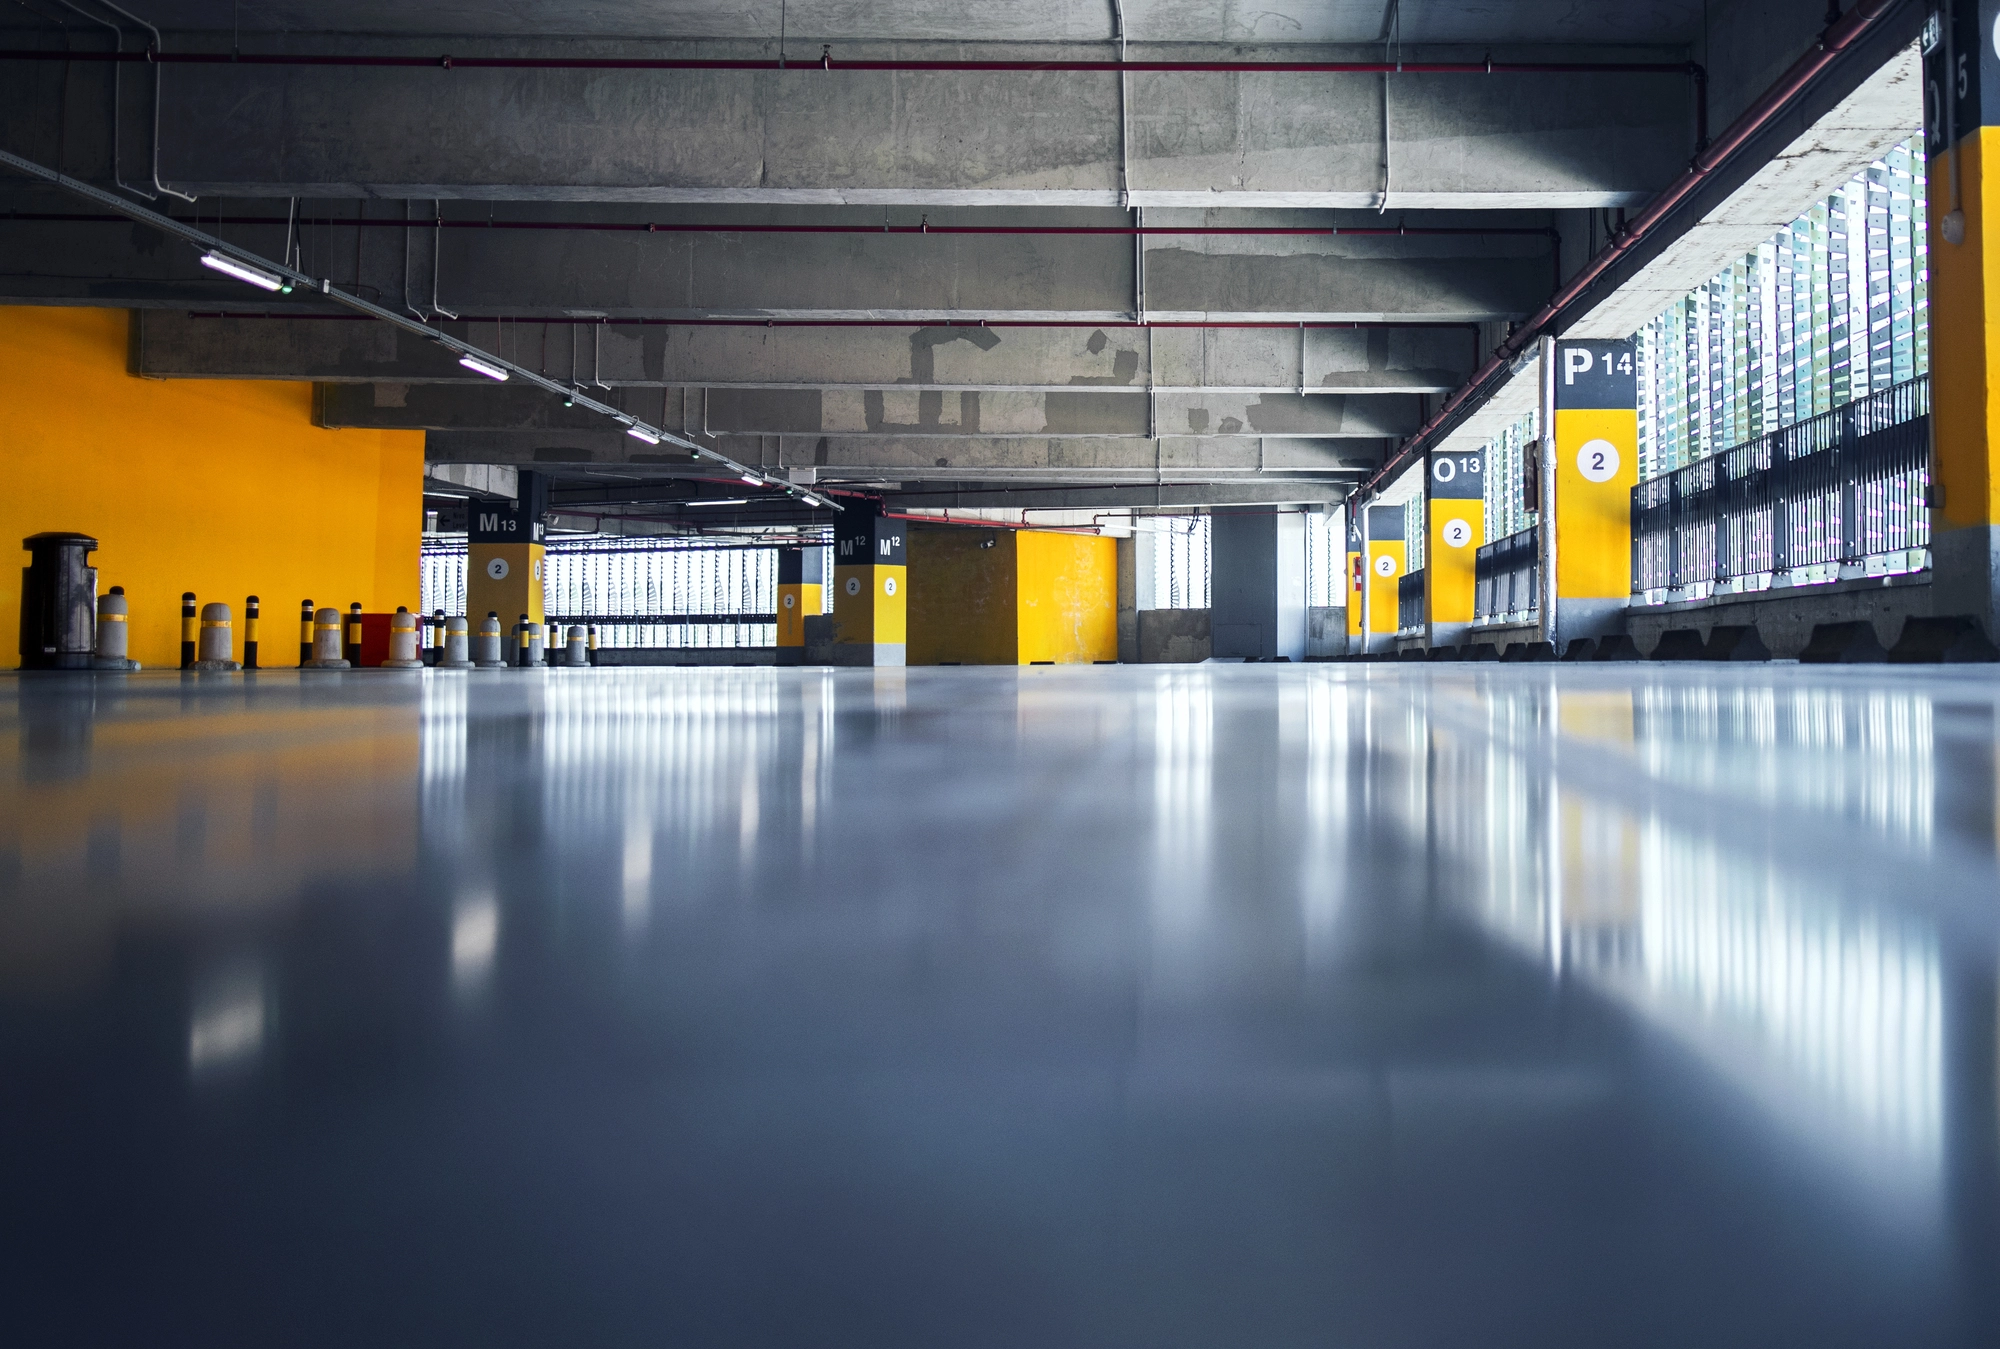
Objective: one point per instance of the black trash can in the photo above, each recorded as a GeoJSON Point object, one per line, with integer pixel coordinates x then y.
{"type": "Point", "coordinates": [58, 602]}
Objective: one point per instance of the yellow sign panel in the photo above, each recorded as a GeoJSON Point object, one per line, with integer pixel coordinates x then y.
{"type": "Point", "coordinates": [1597, 466]}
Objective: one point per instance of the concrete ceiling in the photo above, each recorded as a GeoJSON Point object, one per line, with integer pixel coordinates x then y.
{"type": "Point", "coordinates": [642, 236]}
{"type": "Point", "coordinates": [1233, 21]}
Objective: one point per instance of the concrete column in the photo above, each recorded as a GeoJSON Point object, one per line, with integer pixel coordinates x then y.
{"type": "Point", "coordinates": [1594, 418]}
{"type": "Point", "coordinates": [800, 578]}
{"type": "Point", "coordinates": [1257, 584]}
{"type": "Point", "coordinates": [1455, 526]}
{"type": "Point", "coordinates": [871, 591]}
{"type": "Point", "coordinates": [1129, 550]}
{"type": "Point", "coordinates": [1965, 353]}
{"type": "Point", "coordinates": [1388, 558]}
{"type": "Point", "coordinates": [504, 562]}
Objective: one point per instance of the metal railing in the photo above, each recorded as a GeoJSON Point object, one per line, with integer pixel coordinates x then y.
{"type": "Point", "coordinates": [1507, 578]}
{"type": "Point", "coordinates": [1811, 501]}
{"type": "Point", "coordinates": [1410, 601]}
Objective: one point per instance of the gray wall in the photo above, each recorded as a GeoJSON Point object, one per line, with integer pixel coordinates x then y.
{"type": "Point", "coordinates": [1257, 583]}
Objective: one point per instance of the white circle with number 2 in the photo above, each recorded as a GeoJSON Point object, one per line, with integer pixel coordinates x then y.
{"type": "Point", "coordinates": [888, 585]}
{"type": "Point", "coordinates": [1385, 565]}
{"type": "Point", "coordinates": [854, 585]}
{"type": "Point", "coordinates": [791, 601]}
{"type": "Point", "coordinates": [497, 568]}
{"type": "Point", "coordinates": [1597, 461]}
{"type": "Point", "coordinates": [1457, 533]}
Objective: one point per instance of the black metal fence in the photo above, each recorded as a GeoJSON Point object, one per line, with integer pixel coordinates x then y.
{"type": "Point", "coordinates": [1835, 489]}
{"type": "Point", "coordinates": [1507, 577]}
{"type": "Point", "coordinates": [1410, 600]}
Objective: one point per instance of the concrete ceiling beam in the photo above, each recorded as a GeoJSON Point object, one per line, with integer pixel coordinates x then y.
{"type": "Point", "coordinates": [881, 138]}
{"type": "Point", "coordinates": [169, 344]}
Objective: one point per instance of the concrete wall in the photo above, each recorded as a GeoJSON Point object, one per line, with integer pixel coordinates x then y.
{"type": "Point", "coordinates": [222, 487]}
{"type": "Point", "coordinates": [1173, 636]}
{"type": "Point", "coordinates": [1785, 619]}
{"type": "Point", "coordinates": [1326, 632]}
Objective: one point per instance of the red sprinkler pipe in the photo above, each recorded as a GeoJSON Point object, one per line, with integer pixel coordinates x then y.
{"type": "Point", "coordinates": [1838, 37]}
{"type": "Point", "coordinates": [1349, 325]}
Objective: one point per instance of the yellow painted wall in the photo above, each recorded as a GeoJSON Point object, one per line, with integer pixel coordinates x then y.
{"type": "Point", "coordinates": [222, 487]}
{"type": "Point", "coordinates": [963, 597]}
{"type": "Point", "coordinates": [1457, 526]}
{"type": "Point", "coordinates": [1068, 587]}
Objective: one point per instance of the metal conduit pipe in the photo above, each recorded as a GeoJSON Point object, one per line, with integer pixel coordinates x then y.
{"type": "Point", "coordinates": [1838, 37]}
{"type": "Point", "coordinates": [925, 227]}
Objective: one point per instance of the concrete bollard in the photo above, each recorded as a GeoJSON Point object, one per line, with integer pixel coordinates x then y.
{"type": "Point", "coordinates": [305, 633]}
{"type": "Point", "coordinates": [535, 655]}
{"type": "Point", "coordinates": [487, 651]}
{"type": "Point", "coordinates": [593, 644]}
{"type": "Point", "coordinates": [326, 643]}
{"type": "Point", "coordinates": [456, 653]}
{"type": "Point", "coordinates": [216, 650]}
{"type": "Point", "coordinates": [188, 630]}
{"type": "Point", "coordinates": [250, 633]}
{"type": "Point", "coordinates": [352, 651]}
{"type": "Point", "coordinates": [575, 651]}
{"type": "Point", "coordinates": [404, 653]}
{"type": "Point", "coordinates": [113, 636]}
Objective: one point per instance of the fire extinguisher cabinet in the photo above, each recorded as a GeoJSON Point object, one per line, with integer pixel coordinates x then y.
{"type": "Point", "coordinates": [58, 602]}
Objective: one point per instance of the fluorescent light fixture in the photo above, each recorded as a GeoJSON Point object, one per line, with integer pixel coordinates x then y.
{"type": "Point", "coordinates": [486, 368]}
{"type": "Point", "coordinates": [641, 433]}
{"type": "Point", "coordinates": [243, 271]}
{"type": "Point", "coordinates": [753, 481]}
{"type": "Point", "coordinates": [725, 501]}
{"type": "Point", "coordinates": [810, 499]}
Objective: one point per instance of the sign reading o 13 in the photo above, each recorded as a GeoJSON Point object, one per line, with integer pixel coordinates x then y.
{"type": "Point", "coordinates": [1597, 460]}
{"type": "Point", "coordinates": [1458, 533]}
{"type": "Point", "coordinates": [497, 568]}
{"type": "Point", "coordinates": [854, 585]}
{"type": "Point", "coordinates": [1385, 565]}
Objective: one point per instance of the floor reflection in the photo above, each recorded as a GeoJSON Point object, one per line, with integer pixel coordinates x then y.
{"type": "Point", "coordinates": [1149, 1006]}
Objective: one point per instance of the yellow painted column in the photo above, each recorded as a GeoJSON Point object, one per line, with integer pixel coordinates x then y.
{"type": "Point", "coordinates": [1596, 452]}
{"type": "Point", "coordinates": [1388, 558]}
{"type": "Point", "coordinates": [505, 562]}
{"type": "Point", "coordinates": [1455, 526]}
{"type": "Point", "coordinates": [801, 574]}
{"type": "Point", "coordinates": [1965, 306]}
{"type": "Point", "coordinates": [870, 589]}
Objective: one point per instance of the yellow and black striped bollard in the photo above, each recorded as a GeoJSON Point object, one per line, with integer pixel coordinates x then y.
{"type": "Point", "coordinates": [593, 644]}
{"type": "Point", "coordinates": [521, 631]}
{"type": "Point", "coordinates": [305, 633]}
{"type": "Point", "coordinates": [352, 653]}
{"type": "Point", "coordinates": [189, 630]}
{"type": "Point", "coordinates": [250, 633]}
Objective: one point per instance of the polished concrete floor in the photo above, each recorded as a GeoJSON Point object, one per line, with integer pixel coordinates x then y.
{"type": "Point", "coordinates": [1148, 1006]}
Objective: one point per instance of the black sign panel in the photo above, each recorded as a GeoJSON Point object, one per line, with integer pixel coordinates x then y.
{"type": "Point", "coordinates": [864, 539]}
{"type": "Point", "coordinates": [1458, 475]}
{"type": "Point", "coordinates": [801, 566]}
{"type": "Point", "coordinates": [516, 521]}
{"type": "Point", "coordinates": [1961, 71]}
{"type": "Point", "coordinates": [1385, 524]}
{"type": "Point", "coordinates": [1597, 374]}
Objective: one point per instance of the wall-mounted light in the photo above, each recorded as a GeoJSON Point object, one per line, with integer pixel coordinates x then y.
{"type": "Point", "coordinates": [243, 271]}
{"type": "Point", "coordinates": [486, 368]}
